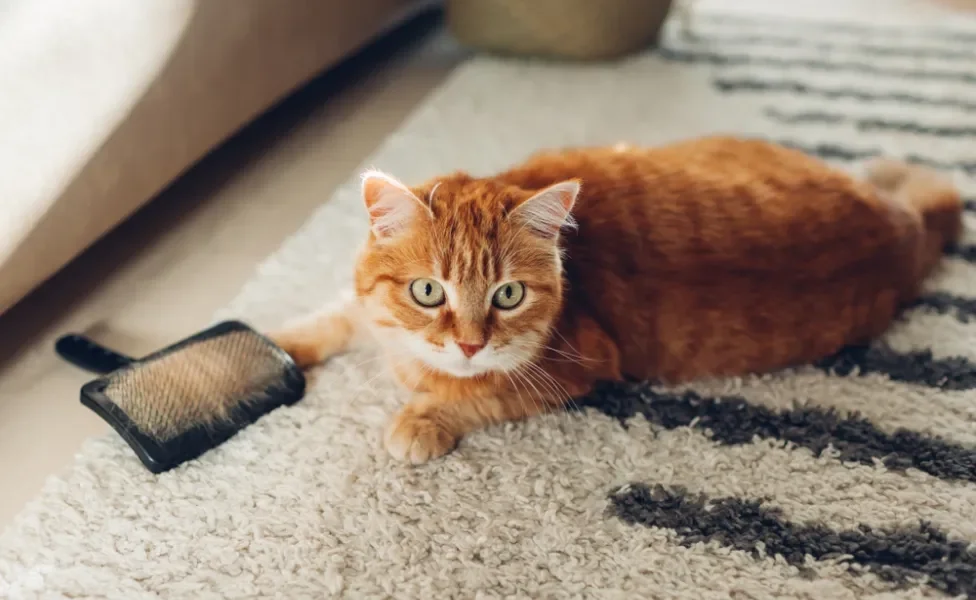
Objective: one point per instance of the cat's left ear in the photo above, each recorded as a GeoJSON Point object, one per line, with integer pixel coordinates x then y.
{"type": "Point", "coordinates": [550, 210]}
{"type": "Point", "coordinates": [391, 205]}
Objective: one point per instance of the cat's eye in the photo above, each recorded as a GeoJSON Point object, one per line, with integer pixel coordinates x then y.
{"type": "Point", "coordinates": [427, 292]}
{"type": "Point", "coordinates": [509, 295]}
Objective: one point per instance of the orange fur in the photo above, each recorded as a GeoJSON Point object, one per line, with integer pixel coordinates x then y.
{"type": "Point", "coordinates": [711, 257]}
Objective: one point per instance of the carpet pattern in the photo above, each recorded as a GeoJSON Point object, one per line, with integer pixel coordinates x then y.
{"type": "Point", "coordinates": [851, 478]}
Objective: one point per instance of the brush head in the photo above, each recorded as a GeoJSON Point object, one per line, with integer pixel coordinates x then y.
{"type": "Point", "coordinates": [176, 404]}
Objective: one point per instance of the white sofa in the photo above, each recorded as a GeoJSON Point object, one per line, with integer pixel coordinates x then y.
{"type": "Point", "coordinates": [104, 102]}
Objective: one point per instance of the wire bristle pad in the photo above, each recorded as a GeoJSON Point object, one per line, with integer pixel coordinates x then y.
{"type": "Point", "coordinates": [197, 385]}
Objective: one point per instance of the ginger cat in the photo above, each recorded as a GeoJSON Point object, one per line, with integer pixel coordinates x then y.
{"type": "Point", "coordinates": [502, 297]}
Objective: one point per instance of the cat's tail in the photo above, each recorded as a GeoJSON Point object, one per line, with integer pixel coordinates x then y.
{"type": "Point", "coordinates": [936, 201]}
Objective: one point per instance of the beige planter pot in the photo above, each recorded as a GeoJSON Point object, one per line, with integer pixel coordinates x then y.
{"type": "Point", "coordinates": [567, 29]}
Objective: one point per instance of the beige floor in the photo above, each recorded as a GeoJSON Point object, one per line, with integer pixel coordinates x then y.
{"type": "Point", "coordinates": [163, 273]}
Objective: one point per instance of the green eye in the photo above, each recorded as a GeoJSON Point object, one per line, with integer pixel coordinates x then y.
{"type": "Point", "coordinates": [427, 292]}
{"type": "Point", "coordinates": [509, 295]}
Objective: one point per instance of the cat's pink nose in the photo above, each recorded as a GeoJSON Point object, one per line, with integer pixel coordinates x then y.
{"type": "Point", "coordinates": [470, 349]}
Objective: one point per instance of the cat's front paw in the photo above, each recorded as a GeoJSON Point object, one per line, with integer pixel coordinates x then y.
{"type": "Point", "coordinates": [417, 437]}
{"type": "Point", "coordinates": [303, 347]}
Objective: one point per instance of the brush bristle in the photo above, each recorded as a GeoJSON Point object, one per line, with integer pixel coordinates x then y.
{"type": "Point", "coordinates": [200, 384]}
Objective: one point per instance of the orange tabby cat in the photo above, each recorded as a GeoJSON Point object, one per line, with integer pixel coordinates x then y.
{"type": "Point", "coordinates": [499, 298]}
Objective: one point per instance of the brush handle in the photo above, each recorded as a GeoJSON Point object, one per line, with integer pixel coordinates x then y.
{"type": "Point", "coordinates": [89, 355]}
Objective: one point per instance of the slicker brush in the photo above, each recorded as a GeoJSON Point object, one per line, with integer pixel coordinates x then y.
{"type": "Point", "coordinates": [179, 402]}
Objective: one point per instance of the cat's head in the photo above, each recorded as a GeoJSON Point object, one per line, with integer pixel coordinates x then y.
{"type": "Point", "coordinates": [463, 275]}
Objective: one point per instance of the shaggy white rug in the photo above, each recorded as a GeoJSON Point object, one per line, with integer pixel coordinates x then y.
{"type": "Point", "coordinates": [745, 488]}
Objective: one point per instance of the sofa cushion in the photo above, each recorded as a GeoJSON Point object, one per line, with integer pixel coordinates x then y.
{"type": "Point", "coordinates": [106, 102]}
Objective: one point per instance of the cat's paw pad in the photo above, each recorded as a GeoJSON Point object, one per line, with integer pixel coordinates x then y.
{"type": "Point", "coordinates": [417, 438]}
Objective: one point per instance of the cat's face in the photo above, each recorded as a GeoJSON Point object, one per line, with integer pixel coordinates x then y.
{"type": "Point", "coordinates": [463, 275]}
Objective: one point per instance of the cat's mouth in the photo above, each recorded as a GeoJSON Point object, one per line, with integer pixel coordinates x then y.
{"type": "Point", "coordinates": [451, 361]}
{"type": "Point", "coordinates": [461, 368]}
{"type": "Point", "coordinates": [492, 359]}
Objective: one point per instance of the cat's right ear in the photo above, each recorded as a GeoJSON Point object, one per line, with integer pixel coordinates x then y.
{"type": "Point", "coordinates": [390, 204]}
{"type": "Point", "coordinates": [550, 210]}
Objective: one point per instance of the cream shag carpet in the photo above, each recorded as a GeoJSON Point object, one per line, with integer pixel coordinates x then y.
{"type": "Point", "coordinates": [854, 478]}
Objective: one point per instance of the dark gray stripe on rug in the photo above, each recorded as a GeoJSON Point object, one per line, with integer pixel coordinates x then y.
{"type": "Point", "coordinates": [966, 252]}
{"type": "Point", "coordinates": [955, 373]}
{"type": "Point", "coordinates": [756, 85]}
{"type": "Point", "coordinates": [731, 420]}
{"type": "Point", "coordinates": [871, 123]}
{"type": "Point", "coordinates": [944, 303]}
{"type": "Point", "coordinates": [814, 64]}
{"type": "Point", "coordinates": [783, 41]}
{"type": "Point", "coordinates": [840, 152]}
{"type": "Point", "coordinates": [904, 556]}
{"type": "Point", "coordinates": [895, 32]}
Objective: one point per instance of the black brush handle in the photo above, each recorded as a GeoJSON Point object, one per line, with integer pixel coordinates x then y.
{"type": "Point", "coordinates": [89, 354]}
